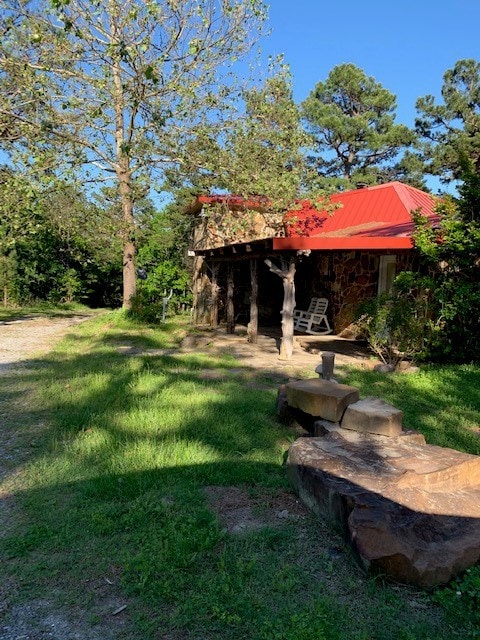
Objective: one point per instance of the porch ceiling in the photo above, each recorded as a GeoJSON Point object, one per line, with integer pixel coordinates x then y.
{"type": "Point", "coordinates": [240, 250]}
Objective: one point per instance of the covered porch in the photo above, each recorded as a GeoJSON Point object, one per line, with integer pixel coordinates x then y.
{"type": "Point", "coordinates": [247, 270]}
{"type": "Point", "coordinates": [235, 284]}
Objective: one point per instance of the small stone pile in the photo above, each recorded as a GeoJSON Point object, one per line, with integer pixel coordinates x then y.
{"type": "Point", "coordinates": [410, 510]}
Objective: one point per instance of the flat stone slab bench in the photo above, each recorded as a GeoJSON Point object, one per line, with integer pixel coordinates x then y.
{"type": "Point", "coordinates": [411, 511]}
{"type": "Point", "coordinates": [321, 398]}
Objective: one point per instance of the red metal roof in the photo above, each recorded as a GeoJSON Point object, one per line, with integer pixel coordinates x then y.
{"type": "Point", "coordinates": [377, 217]}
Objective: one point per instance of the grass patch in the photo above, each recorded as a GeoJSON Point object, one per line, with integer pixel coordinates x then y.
{"type": "Point", "coordinates": [116, 435]}
{"type": "Point", "coordinates": [443, 402]}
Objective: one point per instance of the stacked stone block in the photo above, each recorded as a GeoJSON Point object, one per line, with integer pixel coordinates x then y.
{"type": "Point", "coordinates": [341, 404]}
{"type": "Point", "coordinates": [410, 510]}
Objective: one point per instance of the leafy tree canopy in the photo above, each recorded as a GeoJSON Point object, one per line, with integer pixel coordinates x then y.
{"type": "Point", "coordinates": [55, 244]}
{"type": "Point", "coordinates": [267, 148]}
{"type": "Point", "coordinates": [351, 120]}
{"type": "Point", "coordinates": [451, 131]}
{"type": "Point", "coordinates": [262, 154]}
{"type": "Point", "coordinates": [123, 86]}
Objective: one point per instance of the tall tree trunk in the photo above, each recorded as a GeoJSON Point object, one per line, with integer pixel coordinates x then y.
{"type": "Point", "coordinates": [230, 307]}
{"type": "Point", "coordinates": [287, 273]}
{"type": "Point", "coordinates": [129, 275]}
{"type": "Point", "coordinates": [123, 169]}
{"type": "Point", "coordinates": [252, 329]}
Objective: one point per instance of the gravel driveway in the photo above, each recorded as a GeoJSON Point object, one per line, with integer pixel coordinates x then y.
{"type": "Point", "coordinates": [25, 338]}
{"type": "Point", "coordinates": [40, 618]}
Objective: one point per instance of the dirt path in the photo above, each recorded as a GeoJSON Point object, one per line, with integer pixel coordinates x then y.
{"type": "Point", "coordinates": [21, 341]}
{"type": "Point", "coordinates": [25, 338]}
{"type": "Point", "coordinates": [264, 355]}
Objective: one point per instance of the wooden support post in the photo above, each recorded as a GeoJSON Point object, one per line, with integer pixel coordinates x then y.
{"type": "Point", "coordinates": [202, 293]}
{"type": "Point", "coordinates": [215, 292]}
{"type": "Point", "coordinates": [197, 289]}
{"type": "Point", "coordinates": [252, 329]}
{"type": "Point", "coordinates": [230, 307]}
{"type": "Point", "coordinates": [287, 273]}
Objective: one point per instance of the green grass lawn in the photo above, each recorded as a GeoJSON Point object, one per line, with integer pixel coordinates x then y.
{"type": "Point", "coordinates": [115, 437]}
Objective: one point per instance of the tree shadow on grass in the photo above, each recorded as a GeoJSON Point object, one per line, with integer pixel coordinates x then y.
{"type": "Point", "coordinates": [153, 533]}
{"type": "Point", "coordinates": [114, 484]}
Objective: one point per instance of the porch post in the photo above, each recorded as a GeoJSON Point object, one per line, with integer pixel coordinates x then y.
{"type": "Point", "coordinates": [287, 273]}
{"type": "Point", "coordinates": [215, 292]}
{"type": "Point", "coordinates": [201, 286]}
{"type": "Point", "coordinates": [230, 307]}
{"type": "Point", "coordinates": [252, 329]}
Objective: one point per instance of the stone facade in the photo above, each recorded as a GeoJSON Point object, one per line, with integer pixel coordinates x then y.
{"type": "Point", "coordinates": [346, 278]}
{"type": "Point", "coordinates": [222, 226]}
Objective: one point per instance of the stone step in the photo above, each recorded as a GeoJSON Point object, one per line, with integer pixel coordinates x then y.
{"type": "Point", "coordinates": [373, 415]}
{"type": "Point", "coordinates": [322, 427]}
{"type": "Point", "coordinates": [321, 398]}
{"type": "Point", "coordinates": [411, 511]}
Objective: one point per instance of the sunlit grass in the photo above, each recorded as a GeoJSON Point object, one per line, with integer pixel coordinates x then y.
{"type": "Point", "coordinates": [443, 402]}
{"type": "Point", "coordinates": [45, 309]}
{"type": "Point", "coordinates": [122, 435]}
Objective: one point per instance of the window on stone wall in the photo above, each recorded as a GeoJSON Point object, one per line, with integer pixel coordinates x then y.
{"type": "Point", "coordinates": [386, 274]}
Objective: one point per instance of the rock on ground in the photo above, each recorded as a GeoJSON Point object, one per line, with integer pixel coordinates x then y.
{"type": "Point", "coordinates": [411, 511]}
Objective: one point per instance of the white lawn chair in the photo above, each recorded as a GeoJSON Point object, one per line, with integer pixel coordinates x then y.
{"type": "Point", "coordinates": [314, 320]}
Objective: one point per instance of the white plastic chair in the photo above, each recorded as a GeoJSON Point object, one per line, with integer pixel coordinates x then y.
{"type": "Point", "coordinates": [314, 320]}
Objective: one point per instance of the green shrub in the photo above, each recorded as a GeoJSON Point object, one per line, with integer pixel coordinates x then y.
{"type": "Point", "coordinates": [451, 251]}
{"type": "Point", "coordinates": [146, 307]}
{"type": "Point", "coordinates": [400, 324]}
{"type": "Point", "coordinates": [163, 278]}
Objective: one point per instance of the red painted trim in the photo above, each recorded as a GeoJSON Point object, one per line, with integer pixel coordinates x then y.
{"type": "Point", "coordinates": [344, 244]}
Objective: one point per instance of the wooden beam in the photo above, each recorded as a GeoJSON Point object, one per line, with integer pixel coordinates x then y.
{"type": "Point", "coordinates": [243, 251]}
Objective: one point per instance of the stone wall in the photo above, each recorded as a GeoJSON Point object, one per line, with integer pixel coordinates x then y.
{"type": "Point", "coordinates": [348, 277]}
{"type": "Point", "coordinates": [220, 226]}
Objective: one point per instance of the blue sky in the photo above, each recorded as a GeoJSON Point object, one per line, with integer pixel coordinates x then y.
{"type": "Point", "coordinates": [406, 46]}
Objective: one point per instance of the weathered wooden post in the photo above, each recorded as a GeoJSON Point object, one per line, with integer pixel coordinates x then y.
{"type": "Point", "coordinates": [328, 364]}
{"type": "Point", "coordinates": [165, 300]}
{"type": "Point", "coordinates": [200, 292]}
{"type": "Point", "coordinates": [252, 329]}
{"type": "Point", "coordinates": [215, 292]}
{"type": "Point", "coordinates": [230, 307]}
{"type": "Point", "coordinates": [287, 273]}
